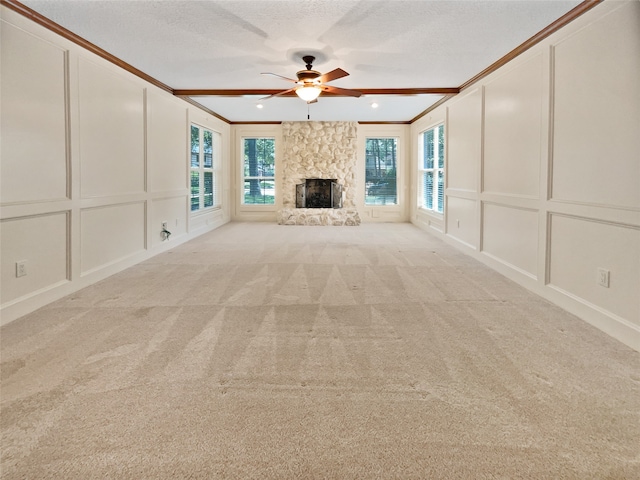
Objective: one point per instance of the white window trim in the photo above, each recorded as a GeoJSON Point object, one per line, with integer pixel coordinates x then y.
{"type": "Point", "coordinates": [242, 178]}
{"type": "Point", "coordinates": [398, 171]}
{"type": "Point", "coordinates": [216, 169]}
{"type": "Point", "coordinates": [422, 171]}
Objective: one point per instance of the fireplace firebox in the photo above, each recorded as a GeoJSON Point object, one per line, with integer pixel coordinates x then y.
{"type": "Point", "coordinates": [319, 193]}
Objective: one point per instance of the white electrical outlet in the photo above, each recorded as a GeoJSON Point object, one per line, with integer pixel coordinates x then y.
{"type": "Point", "coordinates": [21, 268]}
{"type": "Point", "coordinates": [603, 277]}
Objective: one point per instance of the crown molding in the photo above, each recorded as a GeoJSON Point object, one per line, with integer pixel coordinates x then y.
{"type": "Point", "coordinates": [567, 18]}
{"type": "Point", "coordinates": [185, 94]}
{"type": "Point", "coordinates": [78, 40]}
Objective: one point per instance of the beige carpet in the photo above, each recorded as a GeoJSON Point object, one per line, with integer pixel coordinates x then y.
{"type": "Point", "coordinates": [260, 351]}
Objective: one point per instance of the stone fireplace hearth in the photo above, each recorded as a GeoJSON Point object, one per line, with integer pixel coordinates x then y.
{"type": "Point", "coordinates": [319, 216]}
{"type": "Point", "coordinates": [319, 150]}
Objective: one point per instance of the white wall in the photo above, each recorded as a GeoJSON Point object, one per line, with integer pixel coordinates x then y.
{"type": "Point", "coordinates": [94, 159]}
{"type": "Point", "coordinates": [543, 169]}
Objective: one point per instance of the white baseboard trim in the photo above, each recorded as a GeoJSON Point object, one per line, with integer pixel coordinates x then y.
{"type": "Point", "coordinates": [34, 300]}
{"type": "Point", "coordinates": [611, 324]}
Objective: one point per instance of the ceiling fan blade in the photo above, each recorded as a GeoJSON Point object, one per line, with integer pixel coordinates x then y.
{"type": "Point", "coordinates": [341, 91]}
{"type": "Point", "coordinates": [277, 94]}
{"type": "Point", "coordinates": [276, 75]}
{"type": "Point", "coordinates": [332, 75]}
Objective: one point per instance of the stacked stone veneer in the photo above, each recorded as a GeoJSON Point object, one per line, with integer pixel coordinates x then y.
{"type": "Point", "coordinates": [319, 216]}
{"type": "Point", "coordinates": [319, 150]}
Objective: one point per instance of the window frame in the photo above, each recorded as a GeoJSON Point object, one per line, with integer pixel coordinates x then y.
{"type": "Point", "coordinates": [396, 162]}
{"type": "Point", "coordinates": [437, 207]}
{"type": "Point", "coordinates": [259, 178]}
{"type": "Point", "coordinates": [202, 169]}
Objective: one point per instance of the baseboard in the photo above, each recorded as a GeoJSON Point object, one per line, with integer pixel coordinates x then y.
{"type": "Point", "coordinates": [34, 300]}
{"type": "Point", "coordinates": [611, 324]}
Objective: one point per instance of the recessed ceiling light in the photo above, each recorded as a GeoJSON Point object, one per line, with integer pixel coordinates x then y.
{"type": "Point", "coordinates": [259, 105]}
{"type": "Point", "coordinates": [374, 105]}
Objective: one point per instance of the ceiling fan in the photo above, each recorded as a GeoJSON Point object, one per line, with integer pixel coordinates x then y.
{"type": "Point", "coordinates": [311, 83]}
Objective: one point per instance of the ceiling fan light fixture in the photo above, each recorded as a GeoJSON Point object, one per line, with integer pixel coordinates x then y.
{"type": "Point", "coordinates": [308, 93]}
{"type": "Point", "coordinates": [310, 83]}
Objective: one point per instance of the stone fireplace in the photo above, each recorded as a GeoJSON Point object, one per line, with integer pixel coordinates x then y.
{"type": "Point", "coordinates": [323, 153]}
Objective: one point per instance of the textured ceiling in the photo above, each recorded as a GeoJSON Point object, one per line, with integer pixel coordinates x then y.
{"type": "Point", "coordinates": [226, 44]}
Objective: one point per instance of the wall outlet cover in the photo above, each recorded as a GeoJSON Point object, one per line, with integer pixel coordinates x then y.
{"type": "Point", "coordinates": [603, 277]}
{"type": "Point", "coordinates": [21, 268]}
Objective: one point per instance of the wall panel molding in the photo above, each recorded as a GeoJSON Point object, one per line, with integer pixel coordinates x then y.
{"type": "Point", "coordinates": [45, 252]}
{"type": "Point", "coordinates": [111, 106]}
{"type": "Point", "coordinates": [111, 234]}
{"type": "Point", "coordinates": [586, 92]}
{"type": "Point", "coordinates": [514, 121]}
{"type": "Point", "coordinates": [461, 193]}
{"type": "Point", "coordinates": [35, 117]}
{"type": "Point", "coordinates": [596, 111]}
{"type": "Point", "coordinates": [517, 246]}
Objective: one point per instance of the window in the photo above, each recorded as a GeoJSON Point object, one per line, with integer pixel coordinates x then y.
{"type": "Point", "coordinates": [431, 165]}
{"type": "Point", "coordinates": [258, 171]}
{"type": "Point", "coordinates": [380, 175]}
{"type": "Point", "coordinates": [205, 148]}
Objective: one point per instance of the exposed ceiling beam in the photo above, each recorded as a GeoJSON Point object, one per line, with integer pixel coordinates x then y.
{"type": "Point", "coordinates": [25, 11]}
{"type": "Point", "coordinates": [364, 91]}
